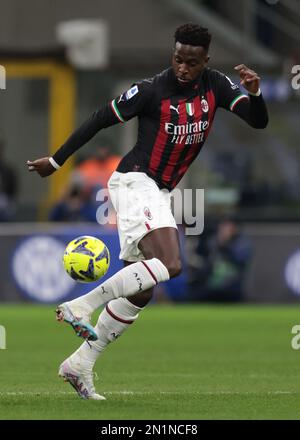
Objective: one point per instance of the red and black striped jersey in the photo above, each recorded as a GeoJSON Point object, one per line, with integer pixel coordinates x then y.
{"type": "Point", "coordinates": [173, 121]}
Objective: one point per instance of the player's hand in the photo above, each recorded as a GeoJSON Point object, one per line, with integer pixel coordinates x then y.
{"type": "Point", "coordinates": [249, 78]}
{"type": "Point", "coordinates": [42, 166]}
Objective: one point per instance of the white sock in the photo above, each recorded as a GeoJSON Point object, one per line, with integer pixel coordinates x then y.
{"type": "Point", "coordinates": [132, 279]}
{"type": "Point", "coordinates": [114, 319]}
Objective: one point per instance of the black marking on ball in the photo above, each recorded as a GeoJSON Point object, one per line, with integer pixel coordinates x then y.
{"type": "Point", "coordinates": [75, 275]}
{"type": "Point", "coordinates": [89, 273]}
{"type": "Point", "coordinates": [103, 254]}
{"type": "Point", "coordinates": [81, 249]}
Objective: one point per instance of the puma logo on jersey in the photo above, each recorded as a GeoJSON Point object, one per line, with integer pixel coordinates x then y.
{"type": "Point", "coordinates": [172, 107]}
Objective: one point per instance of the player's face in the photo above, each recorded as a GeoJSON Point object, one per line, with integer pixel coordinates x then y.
{"type": "Point", "coordinates": [188, 62]}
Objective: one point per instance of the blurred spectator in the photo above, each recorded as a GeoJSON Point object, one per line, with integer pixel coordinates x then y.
{"type": "Point", "coordinates": [76, 205]}
{"type": "Point", "coordinates": [218, 264]}
{"type": "Point", "coordinates": [8, 188]}
{"type": "Point", "coordinates": [96, 170]}
{"type": "Point", "coordinates": [257, 193]}
{"type": "Point", "coordinates": [232, 168]}
{"type": "Point", "coordinates": [92, 175]}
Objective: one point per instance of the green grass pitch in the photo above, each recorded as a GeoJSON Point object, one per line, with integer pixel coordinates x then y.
{"type": "Point", "coordinates": [175, 362]}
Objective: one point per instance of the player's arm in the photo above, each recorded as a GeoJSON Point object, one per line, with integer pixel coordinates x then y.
{"type": "Point", "coordinates": [253, 110]}
{"type": "Point", "coordinates": [250, 107]}
{"type": "Point", "coordinates": [121, 109]}
{"type": "Point", "coordinates": [102, 118]}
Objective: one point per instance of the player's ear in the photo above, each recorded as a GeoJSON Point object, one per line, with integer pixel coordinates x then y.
{"type": "Point", "coordinates": [207, 58]}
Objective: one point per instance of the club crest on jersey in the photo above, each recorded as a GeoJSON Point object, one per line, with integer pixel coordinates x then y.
{"type": "Point", "coordinates": [147, 213]}
{"type": "Point", "coordinates": [190, 109]}
{"type": "Point", "coordinates": [204, 105]}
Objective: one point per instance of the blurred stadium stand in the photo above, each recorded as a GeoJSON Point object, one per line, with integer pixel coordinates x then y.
{"type": "Point", "coordinates": [31, 269]}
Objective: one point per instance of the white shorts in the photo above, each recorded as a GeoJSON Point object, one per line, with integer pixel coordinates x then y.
{"type": "Point", "coordinates": [141, 207]}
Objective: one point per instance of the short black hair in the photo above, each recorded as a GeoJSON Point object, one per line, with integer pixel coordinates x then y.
{"type": "Point", "coordinates": [193, 34]}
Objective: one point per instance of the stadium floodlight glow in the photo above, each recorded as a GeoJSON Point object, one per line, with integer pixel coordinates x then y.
{"type": "Point", "coordinates": [2, 78]}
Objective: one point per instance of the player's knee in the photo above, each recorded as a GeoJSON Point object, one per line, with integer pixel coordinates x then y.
{"type": "Point", "coordinates": [172, 264]}
{"type": "Point", "coordinates": [174, 267]}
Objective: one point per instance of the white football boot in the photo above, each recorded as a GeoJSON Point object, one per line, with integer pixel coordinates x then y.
{"type": "Point", "coordinates": [79, 318]}
{"type": "Point", "coordinates": [81, 379]}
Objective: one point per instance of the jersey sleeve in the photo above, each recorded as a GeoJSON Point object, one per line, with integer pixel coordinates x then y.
{"type": "Point", "coordinates": [228, 93]}
{"type": "Point", "coordinates": [102, 118]}
{"type": "Point", "coordinates": [252, 109]}
{"type": "Point", "coordinates": [133, 102]}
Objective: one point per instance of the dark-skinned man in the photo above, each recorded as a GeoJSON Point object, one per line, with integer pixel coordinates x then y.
{"type": "Point", "coordinates": [175, 110]}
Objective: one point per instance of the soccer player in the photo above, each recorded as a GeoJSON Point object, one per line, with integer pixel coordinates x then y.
{"type": "Point", "coordinates": [175, 109]}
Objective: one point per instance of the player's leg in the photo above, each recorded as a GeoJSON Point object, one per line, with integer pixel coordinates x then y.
{"type": "Point", "coordinates": [140, 299]}
{"type": "Point", "coordinates": [118, 315]}
{"type": "Point", "coordinates": [135, 278]}
{"type": "Point", "coordinates": [154, 230]}
{"type": "Point", "coordinates": [161, 249]}
{"type": "Point", "coordinates": [161, 243]}
{"type": "Point", "coordinates": [135, 281]}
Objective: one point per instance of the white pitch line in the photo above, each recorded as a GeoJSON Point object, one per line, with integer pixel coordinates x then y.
{"type": "Point", "coordinates": [147, 393]}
